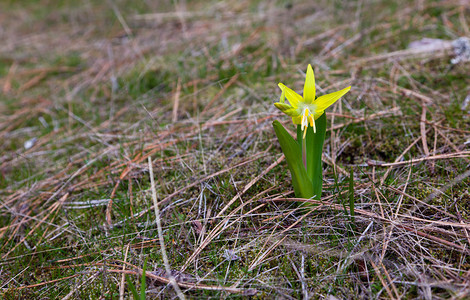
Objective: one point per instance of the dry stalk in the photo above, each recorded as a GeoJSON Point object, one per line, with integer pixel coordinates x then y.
{"type": "Point", "coordinates": [160, 233]}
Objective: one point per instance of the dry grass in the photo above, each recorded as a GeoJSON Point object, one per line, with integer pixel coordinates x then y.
{"type": "Point", "coordinates": [89, 93]}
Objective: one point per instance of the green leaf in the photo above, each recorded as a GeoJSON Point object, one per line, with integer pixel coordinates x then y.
{"type": "Point", "coordinates": [314, 149]}
{"type": "Point", "coordinates": [302, 185]}
{"type": "Point", "coordinates": [143, 282]}
{"type": "Point", "coordinates": [132, 288]}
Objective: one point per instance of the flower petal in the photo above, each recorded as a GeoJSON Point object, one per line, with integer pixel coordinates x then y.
{"type": "Point", "coordinates": [318, 114]}
{"type": "Point", "coordinates": [297, 120]}
{"type": "Point", "coordinates": [293, 97]}
{"type": "Point", "coordinates": [283, 96]}
{"type": "Point", "coordinates": [309, 86]}
{"type": "Point", "coordinates": [282, 106]}
{"type": "Point", "coordinates": [326, 100]}
{"type": "Point", "coordinates": [287, 109]}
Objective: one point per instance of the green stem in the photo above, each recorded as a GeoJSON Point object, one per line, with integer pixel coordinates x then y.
{"type": "Point", "coordinates": [304, 152]}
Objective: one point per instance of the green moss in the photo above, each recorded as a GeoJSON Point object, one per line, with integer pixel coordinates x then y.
{"type": "Point", "coordinates": [72, 60]}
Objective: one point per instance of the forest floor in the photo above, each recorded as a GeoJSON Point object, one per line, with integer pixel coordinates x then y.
{"type": "Point", "coordinates": [93, 93]}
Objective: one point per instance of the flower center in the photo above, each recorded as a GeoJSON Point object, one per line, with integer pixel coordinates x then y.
{"type": "Point", "coordinates": [307, 117]}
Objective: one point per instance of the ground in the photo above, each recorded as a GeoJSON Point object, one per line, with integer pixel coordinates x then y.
{"type": "Point", "coordinates": [95, 95]}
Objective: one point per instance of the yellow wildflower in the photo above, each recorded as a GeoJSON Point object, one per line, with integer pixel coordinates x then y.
{"type": "Point", "coordinates": [305, 110]}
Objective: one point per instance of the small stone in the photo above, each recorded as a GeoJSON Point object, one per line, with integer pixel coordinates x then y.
{"type": "Point", "coordinates": [461, 50]}
{"type": "Point", "coordinates": [30, 143]}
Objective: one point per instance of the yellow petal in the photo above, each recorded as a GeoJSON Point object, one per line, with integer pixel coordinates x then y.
{"type": "Point", "coordinates": [287, 109]}
{"type": "Point", "coordinates": [293, 97]}
{"type": "Point", "coordinates": [318, 114]}
{"type": "Point", "coordinates": [283, 96]}
{"type": "Point", "coordinates": [297, 120]}
{"type": "Point", "coordinates": [326, 100]}
{"type": "Point", "coordinates": [309, 86]}
{"type": "Point", "coordinates": [282, 106]}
